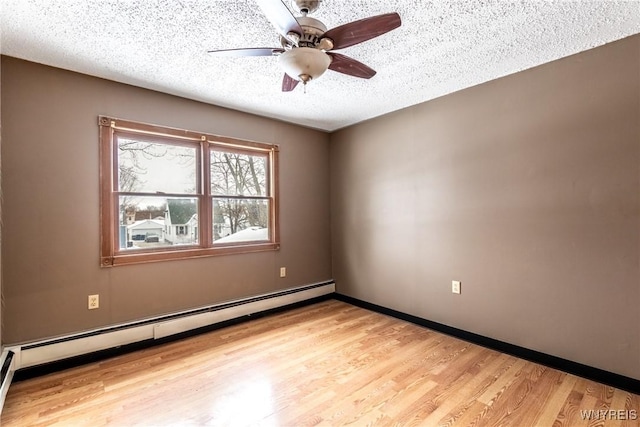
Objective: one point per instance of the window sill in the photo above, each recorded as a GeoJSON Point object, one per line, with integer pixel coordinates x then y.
{"type": "Point", "coordinates": [181, 254]}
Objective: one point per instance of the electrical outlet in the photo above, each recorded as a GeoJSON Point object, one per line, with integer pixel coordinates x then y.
{"type": "Point", "coordinates": [94, 301]}
{"type": "Point", "coordinates": [456, 286]}
{"type": "Point", "coordinates": [283, 271]}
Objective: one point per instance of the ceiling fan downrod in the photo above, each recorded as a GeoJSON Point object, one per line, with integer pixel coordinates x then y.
{"type": "Point", "coordinates": [307, 6]}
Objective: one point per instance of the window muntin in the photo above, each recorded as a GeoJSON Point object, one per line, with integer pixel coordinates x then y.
{"type": "Point", "coordinates": [172, 194]}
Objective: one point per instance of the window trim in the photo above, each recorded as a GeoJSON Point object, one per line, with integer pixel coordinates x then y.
{"type": "Point", "coordinates": [110, 253]}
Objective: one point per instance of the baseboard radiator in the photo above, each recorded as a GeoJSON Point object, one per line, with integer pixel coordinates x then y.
{"type": "Point", "coordinates": [61, 348]}
{"type": "Point", "coordinates": [7, 369]}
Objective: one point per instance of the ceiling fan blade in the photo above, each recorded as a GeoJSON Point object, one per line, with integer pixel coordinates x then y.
{"type": "Point", "coordinates": [249, 51]}
{"type": "Point", "coordinates": [281, 18]}
{"type": "Point", "coordinates": [345, 65]}
{"type": "Point", "coordinates": [365, 29]}
{"type": "Point", "coordinates": [289, 84]}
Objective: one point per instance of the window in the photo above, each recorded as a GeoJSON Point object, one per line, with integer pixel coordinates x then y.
{"type": "Point", "coordinates": [174, 194]}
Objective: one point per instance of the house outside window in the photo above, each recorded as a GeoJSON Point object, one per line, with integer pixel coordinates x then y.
{"type": "Point", "coordinates": [218, 194]}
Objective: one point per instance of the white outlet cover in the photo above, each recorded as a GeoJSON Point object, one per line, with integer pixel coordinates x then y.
{"type": "Point", "coordinates": [456, 287]}
{"type": "Point", "coordinates": [94, 302]}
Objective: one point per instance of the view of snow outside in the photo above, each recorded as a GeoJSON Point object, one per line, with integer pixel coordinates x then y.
{"type": "Point", "coordinates": [158, 183]}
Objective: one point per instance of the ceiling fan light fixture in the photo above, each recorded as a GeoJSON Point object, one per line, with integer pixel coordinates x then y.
{"type": "Point", "coordinates": [304, 63]}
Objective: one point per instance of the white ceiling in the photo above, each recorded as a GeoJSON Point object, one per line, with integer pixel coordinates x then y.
{"type": "Point", "coordinates": [441, 47]}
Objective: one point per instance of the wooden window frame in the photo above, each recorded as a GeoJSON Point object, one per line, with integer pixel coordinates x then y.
{"type": "Point", "coordinates": [110, 253]}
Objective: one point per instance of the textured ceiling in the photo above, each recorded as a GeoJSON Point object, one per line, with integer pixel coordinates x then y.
{"type": "Point", "coordinates": [441, 47]}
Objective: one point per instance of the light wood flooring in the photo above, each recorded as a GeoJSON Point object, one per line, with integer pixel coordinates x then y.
{"type": "Point", "coordinates": [328, 364]}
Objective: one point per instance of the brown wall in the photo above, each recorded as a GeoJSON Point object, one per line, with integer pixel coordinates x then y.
{"type": "Point", "coordinates": [1, 293]}
{"type": "Point", "coordinates": [51, 207]}
{"type": "Point", "coordinates": [527, 189]}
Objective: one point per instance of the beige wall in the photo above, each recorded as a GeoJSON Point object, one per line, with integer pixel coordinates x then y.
{"type": "Point", "coordinates": [527, 189]}
{"type": "Point", "coordinates": [51, 207]}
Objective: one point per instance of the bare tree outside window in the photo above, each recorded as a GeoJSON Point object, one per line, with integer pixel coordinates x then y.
{"type": "Point", "coordinates": [158, 204]}
{"type": "Point", "coordinates": [239, 187]}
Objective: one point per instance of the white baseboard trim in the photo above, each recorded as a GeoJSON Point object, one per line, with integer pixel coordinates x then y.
{"type": "Point", "coordinates": [38, 353]}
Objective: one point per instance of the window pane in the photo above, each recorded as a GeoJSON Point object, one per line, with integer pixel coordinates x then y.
{"type": "Point", "coordinates": [149, 167]}
{"type": "Point", "coordinates": [234, 174]}
{"type": "Point", "coordinates": [155, 179]}
{"type": "Point", "coordinates": [157, 222]}
{"type": "Point", "coordinates": [240, 220]}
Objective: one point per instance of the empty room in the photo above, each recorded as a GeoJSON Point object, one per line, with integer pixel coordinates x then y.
{"type": "Point", "coordinates": [302, 212]}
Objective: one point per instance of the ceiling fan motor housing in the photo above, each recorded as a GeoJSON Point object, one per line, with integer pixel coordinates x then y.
{"type": "Point", "coordinates": [313, 30]}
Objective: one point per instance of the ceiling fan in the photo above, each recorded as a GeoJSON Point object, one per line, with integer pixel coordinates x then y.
{"type": "Point", "coordinates": [307, 48]}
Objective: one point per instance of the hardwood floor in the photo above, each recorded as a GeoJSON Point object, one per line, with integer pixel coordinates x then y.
{"type": "Point", "coordinates": [326, 364]}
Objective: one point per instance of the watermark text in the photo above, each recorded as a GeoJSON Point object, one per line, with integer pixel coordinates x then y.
{"type": "Point", "coordinates": [608, 414]}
